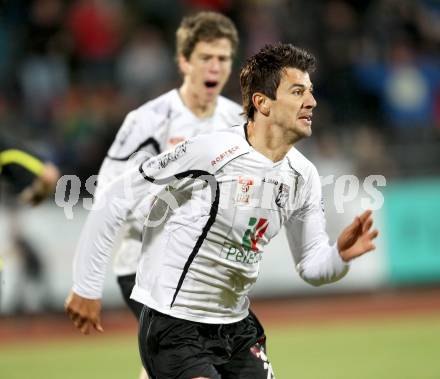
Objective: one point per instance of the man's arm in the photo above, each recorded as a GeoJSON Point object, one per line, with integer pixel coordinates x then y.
{"type": "Point", "coordinates": [317, 261]}
{"type": "Point", "coordinates": [132, 145]}
{"type": "Point", "coordinates": [94, 249]}
{"type": "Point", "coordinates": [42, 186]}
{"type": "Point", "coordinates": [126, 195]}
{"type": "Point", "coordinates": [38, 178]}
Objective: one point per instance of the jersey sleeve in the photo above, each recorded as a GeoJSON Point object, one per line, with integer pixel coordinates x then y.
{"type": "Point", "coordinates": [129, 194]}
{"type": "Point", "coordinates": [136, 134]}
{"type": "Point", "coordinates": [317, 261]}
{"type": "Point", "coordinates": [232, 113]}
{"type": "Point", "coordinates": [133, 143]}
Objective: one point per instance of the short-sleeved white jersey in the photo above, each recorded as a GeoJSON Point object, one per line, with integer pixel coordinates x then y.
{"type": "Point", "coordinates": [154, 127]}
{"type": "Point", "coordinates": [219, 202]}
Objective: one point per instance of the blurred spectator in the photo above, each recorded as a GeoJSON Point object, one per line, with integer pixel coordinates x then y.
{"type": "Point", "coordinates": [43, 73]}
{"type": "Point", "coordinates": [330, 157]}
{"type": "Point", "coordinates": [32, 292]}
{"type": "Point", "coordinates": [428, 21]}
{"type": "Point", "coordinates": [259, 25]}
{"type": "Point", "coordinates": [406, 84]}
{"type": "Point", "coordinates": [46, 76]}
{"type": "Point", "coordinates": [6, 57]}
{"type": "Point", "coordinates": [368, 149]}
{"type": "Point", "coordinates": [96, 27]}
{"type": "Point", "coordinates": [87, 120]}
{"type": "Point", "coordinates": [12, 40]}
{"type": "Point", "coordinates": [213, 5]}
{"type": "Point", "coordinates": [338, 86]}
{"type": "Point", "coordinates": [70, 70]}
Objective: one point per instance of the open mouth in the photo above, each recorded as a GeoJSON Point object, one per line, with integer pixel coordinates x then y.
{"type": "Point", "coordinates": [210, 83]}
{"type": "Point", "coordinates": [308, 118]}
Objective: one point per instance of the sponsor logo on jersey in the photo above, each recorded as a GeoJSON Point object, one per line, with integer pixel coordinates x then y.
{"type": "Point", "coordinates": [248, 252]}
{"type": "Point", "coordinates": [223, 155]}
{"type": "Point", "coordinates": [237, 254]}
{"type": "Point", "coordinates": [254, 233]}
{"type": "Point", "coordinates": [282, 195]}
{"type": "Point", "coordinates": [163, 160]}
{"type": "Point", "coordinates": [270, 181]}
{"type": "Point", "coordinates": [244, 189]}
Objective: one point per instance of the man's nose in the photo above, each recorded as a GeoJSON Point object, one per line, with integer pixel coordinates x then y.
{"type": "Point", "coordinates": [214, 65]}
{"type": "Point", "coordinates": [310, 102]}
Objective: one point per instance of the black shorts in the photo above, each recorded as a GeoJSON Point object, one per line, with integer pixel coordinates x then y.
{"type": "Point", "coordinates": [126, 284]}
{"type": "Point", "coordinates": [173, 348]}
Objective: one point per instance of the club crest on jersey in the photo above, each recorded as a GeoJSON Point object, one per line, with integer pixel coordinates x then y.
{"type": "Point", "coordinates": [244, 190]}
{"type": "Point", "coordinates": [282, 195]}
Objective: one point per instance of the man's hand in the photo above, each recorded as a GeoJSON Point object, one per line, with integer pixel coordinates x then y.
{"type": "Point", "coordinates": [84, 312]}
{"type": "Point", "coordinates": [42, 187]}
{"type": "Point", "coordinates": [357, 239]}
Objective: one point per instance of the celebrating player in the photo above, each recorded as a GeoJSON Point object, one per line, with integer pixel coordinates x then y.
{"type": "Point", "coordinates": [206, 45]}
{"type": "Point", "coordinates": [234, 191]}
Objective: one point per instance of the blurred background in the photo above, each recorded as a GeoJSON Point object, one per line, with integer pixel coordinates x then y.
{"type": "Point", "coordinates": [71, 70]}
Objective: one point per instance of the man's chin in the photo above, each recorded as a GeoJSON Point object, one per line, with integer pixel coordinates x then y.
{"type": "Point", "coordinates": [210, 95]}
{"type": "Point", "coordinates": [306, 132]}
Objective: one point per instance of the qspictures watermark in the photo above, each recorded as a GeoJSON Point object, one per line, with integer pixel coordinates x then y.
{"type": "Point", "coordinates": [67, 194]}
{"type": "Point", "coordinates": [346, 188]}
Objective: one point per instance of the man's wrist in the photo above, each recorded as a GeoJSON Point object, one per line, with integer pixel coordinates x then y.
{"type": "Point", "coordinates": [88, 295]}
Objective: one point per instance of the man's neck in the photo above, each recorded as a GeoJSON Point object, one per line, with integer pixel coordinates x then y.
{"type": "Point", "coordinates": [268, 140]}
{"type": "Point", "coordinates": [193, 102]}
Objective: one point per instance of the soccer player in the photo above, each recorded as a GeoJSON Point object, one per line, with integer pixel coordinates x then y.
{"type": "Point", "coordinates": [33, 178]}
{"type": "Point", "coordinates": [206, 44]}
{"type": "Point", "coordinates": [234, 191]}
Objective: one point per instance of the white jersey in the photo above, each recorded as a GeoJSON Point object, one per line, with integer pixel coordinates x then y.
{"type": "Point", "coordinates": [220, 203]}
{"type": "Point", "coordinates": [154, 127]}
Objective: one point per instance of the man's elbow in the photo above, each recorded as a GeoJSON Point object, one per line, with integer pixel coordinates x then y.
{"type": "Point", "coordinates": [317, 278]}
{"type": "Point", "coordinates": [313, 280]}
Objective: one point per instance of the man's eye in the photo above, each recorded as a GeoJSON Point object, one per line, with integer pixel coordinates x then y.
{"type": "Point", "coordinates": [297, 92]}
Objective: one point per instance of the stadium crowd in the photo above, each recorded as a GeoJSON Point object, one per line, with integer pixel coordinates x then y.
{"type": "Point", "coordinates": [71, 70]}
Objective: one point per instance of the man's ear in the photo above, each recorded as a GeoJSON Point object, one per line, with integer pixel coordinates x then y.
{"type": "Point", "coordinates": [261, 103]}
{"type": "Point", "coordinates": [183, 64]}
